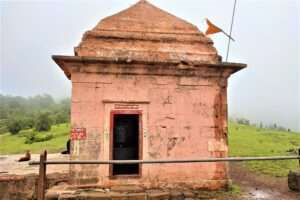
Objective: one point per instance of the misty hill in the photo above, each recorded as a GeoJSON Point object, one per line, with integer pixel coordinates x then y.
{"type": "Point", "coordinates": [20, 113]}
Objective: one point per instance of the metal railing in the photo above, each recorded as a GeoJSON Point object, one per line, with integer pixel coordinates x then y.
{"type": "Point", "coordinates": [43, 164]}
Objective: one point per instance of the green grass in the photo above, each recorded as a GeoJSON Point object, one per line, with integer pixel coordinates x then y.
{"type": "Point", "coordinates": [12, 144]}
{"type": "Point", "coordinates": [251, 141]}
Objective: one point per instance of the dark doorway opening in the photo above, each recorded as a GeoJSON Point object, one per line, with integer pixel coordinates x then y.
{"type": "Point", "coordinates": [125, 143]}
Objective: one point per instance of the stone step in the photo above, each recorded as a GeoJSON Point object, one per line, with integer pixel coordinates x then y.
{"type": "Point", "coordinates": [126, 193]}
{"type": "Point", "coordinates": [93, 195]}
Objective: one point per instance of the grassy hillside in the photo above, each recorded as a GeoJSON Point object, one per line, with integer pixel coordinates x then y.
{"type": "Point", "coordinates": [12, 144]}
{"type": "Point", "coordinates": [243, 140]}
{"type": "Point", "coordinates": [251, 141]}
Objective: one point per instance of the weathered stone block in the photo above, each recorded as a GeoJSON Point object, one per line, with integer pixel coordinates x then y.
{"type": "Point", "coordinates": [294, 180]}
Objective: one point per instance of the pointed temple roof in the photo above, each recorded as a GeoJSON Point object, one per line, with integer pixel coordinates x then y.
{"type": "Point", "coordinates": [145, 33]}
{"type": "Point", "coordinates": [145, 17]}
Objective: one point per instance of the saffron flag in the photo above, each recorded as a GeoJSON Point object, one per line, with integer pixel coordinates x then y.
{"type": "Point", "coordinates": [212, 29]}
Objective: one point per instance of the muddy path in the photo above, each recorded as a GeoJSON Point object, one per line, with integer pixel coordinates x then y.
{"type": "Point", "coordinates": [9, 164]}
{"type": "Point", "coordinates": [261, 187]}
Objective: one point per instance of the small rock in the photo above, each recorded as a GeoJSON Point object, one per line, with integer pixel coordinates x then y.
{"type": "Point", "coordinates": [52, 195]}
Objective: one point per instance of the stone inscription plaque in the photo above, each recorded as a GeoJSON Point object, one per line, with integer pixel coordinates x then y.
{"type": "Point", "coordinates": [126, 106]}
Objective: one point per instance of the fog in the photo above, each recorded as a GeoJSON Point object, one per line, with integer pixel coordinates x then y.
{"type": "Point", "coordinates": [267, 34]}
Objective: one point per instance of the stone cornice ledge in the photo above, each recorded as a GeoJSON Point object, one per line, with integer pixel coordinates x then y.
{"type": "Point", "coordinates": [180, 65]}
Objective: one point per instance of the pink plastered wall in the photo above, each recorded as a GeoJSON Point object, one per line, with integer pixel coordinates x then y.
{"type": "Point", "coordinates": [182, 118]}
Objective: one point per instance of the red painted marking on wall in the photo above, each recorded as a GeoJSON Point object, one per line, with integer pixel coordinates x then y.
{"type": "Point", "coordinates": [78, 133]}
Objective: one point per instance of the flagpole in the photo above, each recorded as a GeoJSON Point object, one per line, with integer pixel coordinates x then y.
{"type": "Point", "coordinates": [231, 27]}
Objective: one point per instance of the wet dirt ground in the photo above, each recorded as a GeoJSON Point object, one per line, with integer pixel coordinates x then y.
{"type": "Point", "coordinates": [261, 187]}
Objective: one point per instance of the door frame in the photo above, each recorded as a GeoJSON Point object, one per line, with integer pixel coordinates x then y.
{"type": "Point", "coordinates": [111, 141]}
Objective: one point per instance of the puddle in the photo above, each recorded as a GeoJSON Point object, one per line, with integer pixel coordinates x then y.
{"type": "Point", "coordinates": [260, 195]}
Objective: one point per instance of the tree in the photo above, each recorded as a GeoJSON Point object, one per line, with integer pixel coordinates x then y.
{"type": "Point", "coordinates": [43, 122]}
{"type": "Point", "coordinates": [28, 122]}
{"type": "Point", "coordinates": [15, 126]}
{"type": "Point", "coordinates": [243, 121]}
{"type": "Point", "coordinates": [61, 117]}
{"type": "Point", "coordinates": [261, 125]}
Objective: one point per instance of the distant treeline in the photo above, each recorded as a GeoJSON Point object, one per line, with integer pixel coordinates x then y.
{"type": "Point", "coordinates": [37, 112]}
{"type": "Point", "coordinates": [261, 125]}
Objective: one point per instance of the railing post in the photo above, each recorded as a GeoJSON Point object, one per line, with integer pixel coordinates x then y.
{"type": "Point", "coordinates": [299, 156]}
{"type": "Point", "coordinates": [42, 177]}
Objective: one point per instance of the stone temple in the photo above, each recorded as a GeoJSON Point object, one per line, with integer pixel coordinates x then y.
{"type": "Point", "coordinates": [147, 85]}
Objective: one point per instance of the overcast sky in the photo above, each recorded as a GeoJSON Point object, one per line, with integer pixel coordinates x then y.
{"type": "Point", "coordinates": [267, 34]}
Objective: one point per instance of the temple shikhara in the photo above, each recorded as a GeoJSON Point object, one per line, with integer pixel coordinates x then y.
{"type": "Point", "coordinates": [147, 85]}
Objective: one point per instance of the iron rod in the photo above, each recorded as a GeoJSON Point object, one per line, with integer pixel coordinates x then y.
{"type": "Point", "coordinates": [228, 159]}
{"type": "Point", "coordinates": [231, 27]}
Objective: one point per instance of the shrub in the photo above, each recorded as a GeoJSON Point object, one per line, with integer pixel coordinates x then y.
{"type": "Point", "coordinates": [14, 126]}
{"type": "Point", "coordinates": [30, 138]}
{"type": "Point", "coordinates": [243, 121]}
{"type": "Point", "coordinates": [34, 137]}
{"type": "Point", "coordinates": [3, 130]}
{"type": "Point", "coordinates": [43, 122]}
{"type": "Point", "coordinates": [3, 126]}
{"type": "Point", "coordinates": [43, 138]}
{"type": "Point", "coordinates": [28, 122]}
